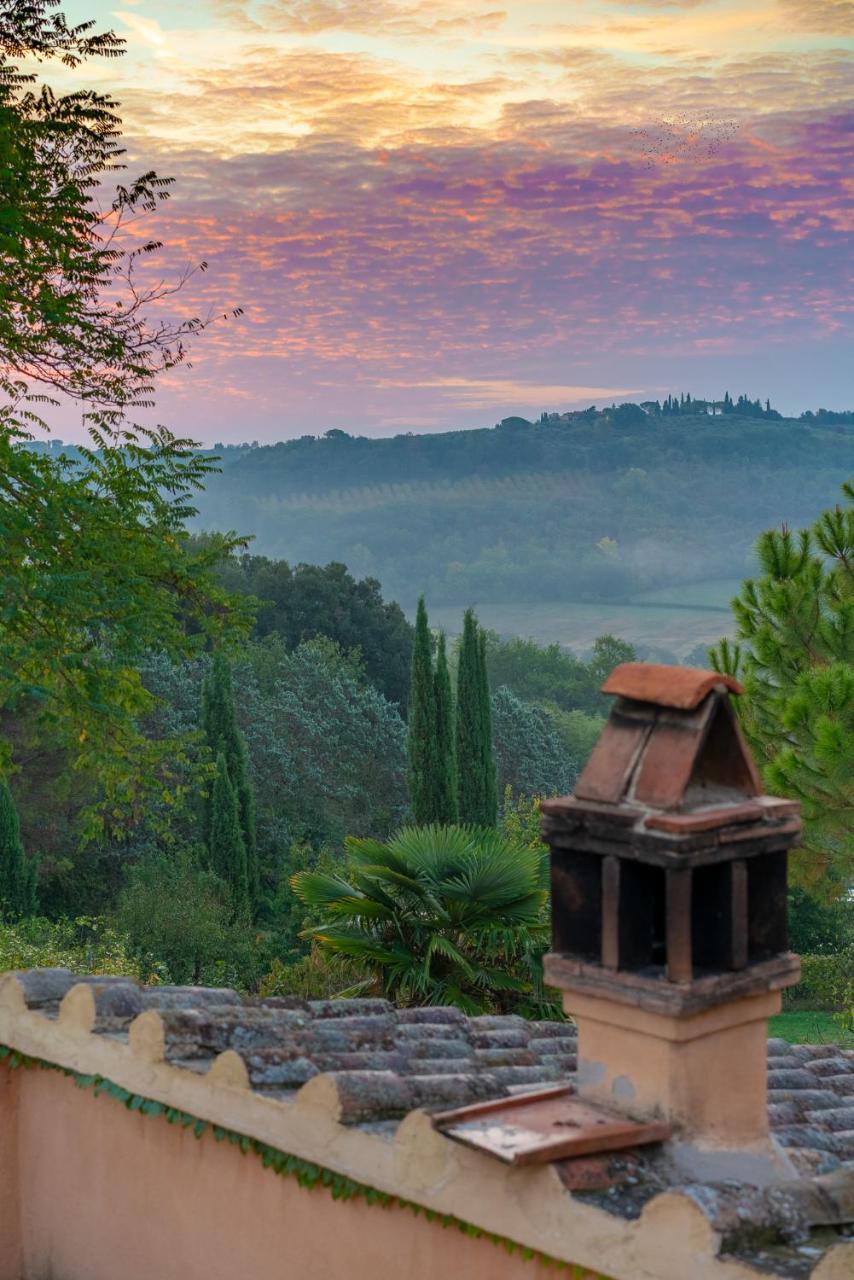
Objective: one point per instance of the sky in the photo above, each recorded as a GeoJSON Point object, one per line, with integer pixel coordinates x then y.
{"type": "Point", "coordinates": [438, 213]}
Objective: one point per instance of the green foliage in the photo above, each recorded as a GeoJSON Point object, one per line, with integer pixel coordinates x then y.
{"type": "Point", "coordinates": [489, 771]}
{"type": "Point", "coordinates": [447, 807]}
{"type": "Point", "coordinates": [520, 820]}
{"type": "Point", "coordinates": [826, 982]}
{"type": "Point", "coordinates": [83, 945]}
{"type": "Point", "coordinates": [608, 652]}
{"type": "Point", "coordinates": [476, 775]}
{"type": "Point", "coordinates": [819, 927]}
{"type": "Point", "coordinates": [531, 755]}
{"type": "Point", "coordinates": [223, 736]}
{"type": "Point", "coordinates": [308, 600]}
{"type": "Point", "coordinates": [553, 676]}
{"type": "Point", "coordinates": [327, 750]}
{"type": "Point", "coordinates": [422, 747]}
{"type": "Point", "coordinates": [18, 895]}
{"type": "Point", "coordinates": [226, 848]}
{"type": "Point", "coordinates": [439, 915]}
{"type": "Point", "coordinates": [796, 658]}
{"type": "Point", "coordinates": [178, 918]}
{"type": "Point", "coordinates": [319, 975]}
{"type": "Point", "coordinates": [578, 732]}
{"type": "Point", "coordinates": [516, 515]}
{"type": "Point", "coordinates": [95, 569]}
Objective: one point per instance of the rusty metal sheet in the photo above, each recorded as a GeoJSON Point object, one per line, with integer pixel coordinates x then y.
{"type": "Point", "coordinates": [683, 687]}
{"type": "Point", "coordinates": [549, 1124]}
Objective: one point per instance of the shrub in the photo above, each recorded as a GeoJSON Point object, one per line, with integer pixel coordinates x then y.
{"type": "Point", "coordinates": [827, 982]}
{"type": "Point", "coordinates": [84, 945]}
{"type": "Point", "coordinates": [178, 917]}
{"type": "Point", "coordinates": [439, 915]}
{"type": "Point", "coordinates": [316, 976]}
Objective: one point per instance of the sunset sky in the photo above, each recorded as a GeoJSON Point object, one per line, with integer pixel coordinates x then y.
{"type": "Point", "coordinates": [436, 213]}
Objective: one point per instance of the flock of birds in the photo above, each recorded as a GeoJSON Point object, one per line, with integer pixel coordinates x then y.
{"type": "Point", "coordinates": [681, 137]}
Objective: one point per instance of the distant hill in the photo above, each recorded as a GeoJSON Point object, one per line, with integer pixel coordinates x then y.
{"type": "Point", "coordinates": [587, 507]}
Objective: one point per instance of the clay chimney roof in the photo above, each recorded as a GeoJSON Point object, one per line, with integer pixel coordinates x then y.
{"type": "Point", "coordinates": [672, 742]}
{"type": "Point", "coordinates": [682, 687]}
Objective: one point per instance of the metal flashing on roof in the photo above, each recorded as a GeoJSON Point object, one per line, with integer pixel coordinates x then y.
{"type": "Point", "coordinates": [546, 1125]}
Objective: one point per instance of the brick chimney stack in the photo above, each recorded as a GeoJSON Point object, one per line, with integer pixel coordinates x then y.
{"type": "Point", "coordinates": [669, 929]}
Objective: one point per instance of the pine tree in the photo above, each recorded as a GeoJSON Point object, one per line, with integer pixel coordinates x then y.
{"type": "Point", "coordinates": [446, 752]}
{"type": "Point", "coordinates": [17, 872]}
{"type": "Point", "coordinates": [225, 838]}
{"type": "Point", "coordinates": [795, 655]}
{"type": "Point", "coordinates": [477, 786]}
{"type": "Point", "coordinates": [421, 740]}
{"type": "Point", "coordinates": [223, 735]}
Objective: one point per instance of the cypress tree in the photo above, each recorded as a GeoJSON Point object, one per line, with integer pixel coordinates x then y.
{"type": "Point", "coordinates": [470, 728]}
{"type": "Point", "coordinates": [17, 872]}
{"type": "Point", "coordinates": [446, 755]}
{"type": "Point", "coordinates": [489, 784]}
{"type": "Point", "coordinates": [421, 738]}
{"type": "Point", "coordinates": [223, 735]}
{"type": "Point", "coordinates": [225, 838]}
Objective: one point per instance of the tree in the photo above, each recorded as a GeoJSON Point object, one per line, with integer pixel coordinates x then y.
{"type": "Point", "coordinates": [223, 735]}
{"type": "Point", "coordinates": [328, 751]}
{"type": "Point", "coordinates": [477, 786]}
{"type": "Point", "coordinates": [532, 759]}
{"type": "Point", "coordinates": [226, 849]}
{"type": "Point", "coordinates": [18, 896]}
{"type": "Point", "coordinates": [94, 564]}
{"type": "Point", "coordinates": [421, 737]}
{"type": "Point", "coordinates": [608, 652]}
{"type": "Point", "coordinates": [308, 600]}
{"type": "Point", "coordinates": [489, 773]}
{"type": "Point", "coordinates": [179, 914]}
{"type": "Point", "coordinates": [795, 655]}
{"type": "Point", "coordinates": [439, 915]}
{"type": "Point", "coordinates": [447, 809]}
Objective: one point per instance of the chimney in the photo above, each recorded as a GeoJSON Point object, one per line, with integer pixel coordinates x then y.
{"type": "Point", "coordinates": [669, 928]}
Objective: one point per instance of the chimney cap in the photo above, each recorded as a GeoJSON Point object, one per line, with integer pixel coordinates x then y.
{"type": "Point", "coordinates": [681, 687]}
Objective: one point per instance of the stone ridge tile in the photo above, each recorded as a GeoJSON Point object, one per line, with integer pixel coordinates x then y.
{"type": "Point", "coordinates": [387, 1061]}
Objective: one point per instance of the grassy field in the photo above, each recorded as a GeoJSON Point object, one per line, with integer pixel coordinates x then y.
{"type": "Point", "coordinates": [809, 1027]}
{"type": "Point", "coordinates": [676, 619]}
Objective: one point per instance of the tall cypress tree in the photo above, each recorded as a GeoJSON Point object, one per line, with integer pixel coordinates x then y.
{"type": "Point", "coordinates": [446, 754]}
{"type": "Point", "coordinates": [421, 739]}
{"type": "Point", "coordinates": [223, 735]}
{"type": "Point", "coordinates": [17, 872]}
{"type": "Point", "coordinates": [225, 838]}
{"type": "Point", "coordinates": [489, 784]}
{"type": "Point", "coordinates": [469, 726]}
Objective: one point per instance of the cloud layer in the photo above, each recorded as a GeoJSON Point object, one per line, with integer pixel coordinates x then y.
{"type": "Point", "coordinates": [425, 207]}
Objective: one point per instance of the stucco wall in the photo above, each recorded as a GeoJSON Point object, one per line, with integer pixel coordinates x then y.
{"type": "Point", "coordinates": [10, 1258]}
{"type": "Point", "coordinates": [106, 1193]}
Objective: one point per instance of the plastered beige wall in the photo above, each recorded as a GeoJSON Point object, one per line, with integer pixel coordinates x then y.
{"type": "Point", "coordinates": [105, 1194]}
{"type": "Point", "coordinates": [10, 1255]}
{"type": "Point", "coordinates": [706, 1073]}
{"type": "Point", "coordinates": [108, 1194]}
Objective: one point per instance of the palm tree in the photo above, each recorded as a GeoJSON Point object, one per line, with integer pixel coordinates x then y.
{"type": "Point", "coordinates": [439, 915]}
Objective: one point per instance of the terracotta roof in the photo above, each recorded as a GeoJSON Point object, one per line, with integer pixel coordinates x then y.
{"type": "Point", "coordinates": [382, 1063]}
{"type": "Point", "coordinates": [387, 1061]}
{"type": "Point", "coordinates": [667, 686]}
{"type": "Point", "coordinates": [672, 741]}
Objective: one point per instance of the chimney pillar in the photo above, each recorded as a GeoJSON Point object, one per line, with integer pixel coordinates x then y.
{"type": "Point", "coordinates": [669, 928]}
